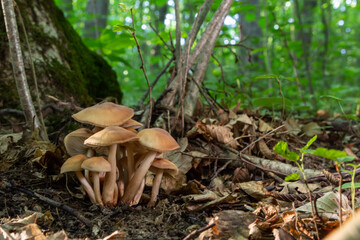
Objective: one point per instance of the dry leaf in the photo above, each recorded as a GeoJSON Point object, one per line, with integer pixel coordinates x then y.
{"type": "Point", "coordinates": [7, 139]}
{"type": "Point", "coordinates": [253, 188]}
{"type": "Point", "coordinates": [264, 127]}
{"type": "Point", "coordinates": [222, 134]}
{"type": "Point", "coordinates": [292, 126]}
{"type": "Point", "coordinates": [311, 129]}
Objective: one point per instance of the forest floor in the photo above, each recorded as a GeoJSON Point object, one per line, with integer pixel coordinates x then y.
{"type": "Point", "coordinates": [230, 179]}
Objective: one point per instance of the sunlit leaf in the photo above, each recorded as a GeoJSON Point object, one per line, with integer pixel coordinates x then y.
{"type": "Point", "coordinates": [348, 185]}
{"type": "Point", "coordinates": [328, 153]}
{"type": "Point", "coordinates": [308, 144]}
{"type": "Point", "coordinates": [122, 7]}
{"type": "Point", "coordinates": [292, 177]}
{"type": "Point", "coordinates": [281, 148]}
{"type": "Point", "coordinates": [118, 28]}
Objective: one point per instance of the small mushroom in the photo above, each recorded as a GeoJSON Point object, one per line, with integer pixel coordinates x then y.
{"type": "Point", "coordinates": [111, 137]}
{"type": "Point", "coordinates": [73, 164]}
{"type": "Point", "coordinates": [156, 141]}
{"type": "Point", "coordinates": [160, 166]}
{"type": "Point", "coordinates": [96, 165]}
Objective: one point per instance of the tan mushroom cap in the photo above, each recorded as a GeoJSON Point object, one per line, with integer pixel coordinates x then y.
{"type": "Point", "coordinates": [104, 114]}
{"type": "Point", "coordinates": [96, 164]}
{"type": "Point", "coordinates": [74, 143]}
{"type": "Point", "coordinates": [111, 135]}
{"type": "Point", "coordinates": [131, 123]}
{"type": "Point", "coordinates": [73, 163]}
{"type": "Point", "coordinates": [162, 163]}
{"type": "Point", "coordinates": [157, 139]}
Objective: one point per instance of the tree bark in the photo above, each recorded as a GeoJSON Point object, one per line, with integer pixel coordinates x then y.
{"type": "Point", "coordinates": [22, 86]}
{"type": "Point", "coordinates": [99, 9]}
{"type": "Point", "coordinates": [305, 34]}
{"type": "Point", "coordinates": [65, 67]}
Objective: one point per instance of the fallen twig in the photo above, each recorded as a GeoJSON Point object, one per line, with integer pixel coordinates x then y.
{"type": "Point", "coordinates": [196, 232]}
{"type": "Point", "coordinates": [49, 201]}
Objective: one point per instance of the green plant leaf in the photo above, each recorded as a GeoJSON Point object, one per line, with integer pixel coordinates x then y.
{"type": "Point", "coordinates": [348, 185]}
{"type": "Point", "coordinates": [308, 144]}
{"type": "Point", "coordinates": [122, 7]}
{"type": "Point", "coordinates": [354, 165]}
{"type": "Point", "coordinates": [250, 17]}
{"type": "Point", "coordinates": [331, 97]}
{"type": "Point", "coordinates": [267, 76]}
{"type": "Point", "coordinates": [257, 50]}
{"type": "Point", "coordinates": [328, 153]}
{"type": "Point", "coordinates": [292, 177]}
{"type": "Point", "coordinates": [118, 28]}
{"type": "Point", "coordinates": [349, 116]}
{"type": "Point", "coordinates": [270, 102]}
{"type": "Point", "coordinates": [345, 159]}
{"type": "Point", "coordinates": [281, 148]}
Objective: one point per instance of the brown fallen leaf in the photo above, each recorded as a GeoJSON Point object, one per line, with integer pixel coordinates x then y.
{"type": "Point", "coordinates": [221, 134]}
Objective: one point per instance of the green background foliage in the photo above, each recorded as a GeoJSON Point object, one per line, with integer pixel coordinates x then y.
{"type": "Point", "coordinates": [278, 49]}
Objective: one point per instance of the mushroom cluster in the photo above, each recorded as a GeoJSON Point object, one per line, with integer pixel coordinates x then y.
{"type": "Point", "coordinates": [111, 160]}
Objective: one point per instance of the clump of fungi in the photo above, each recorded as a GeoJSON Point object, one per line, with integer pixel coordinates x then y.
{"type": "Point", "coordinates": [115, 157]}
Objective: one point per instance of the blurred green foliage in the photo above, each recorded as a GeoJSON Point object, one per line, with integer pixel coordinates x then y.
{"type": "Point", "coordinates": [334, 66]}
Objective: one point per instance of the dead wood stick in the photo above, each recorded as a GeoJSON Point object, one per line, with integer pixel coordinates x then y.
{"type": "Point", "coordinates": [49, 201]}
{"type": "Point", "coordinates": [196, 232]}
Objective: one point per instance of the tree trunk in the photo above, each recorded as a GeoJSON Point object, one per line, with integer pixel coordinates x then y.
{"type": "Point", "coordinates": [65, 67]}
{"type": "Point", "coordinates": [99, 9]}
{"type": "Point", "coordinates": [251, 31]}
{"type": "Point", "coordinates": [305, 17]}
{"type": "Point", "coordinates": [17, 63]}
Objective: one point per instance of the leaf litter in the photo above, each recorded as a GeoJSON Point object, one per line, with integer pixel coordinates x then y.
{"type": "Point", "coordinates": [227, 192]}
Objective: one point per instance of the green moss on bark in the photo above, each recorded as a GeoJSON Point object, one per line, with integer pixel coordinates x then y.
{"type": "Point", "coordinates": [73, 71]}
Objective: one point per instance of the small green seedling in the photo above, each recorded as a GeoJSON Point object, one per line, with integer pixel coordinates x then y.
{"type": "Point", "coordinates": [352, 185]}
{"type": "Point", "coordinates": [281, 148]}
{"type": "Point", "coordinates": [338, 157]}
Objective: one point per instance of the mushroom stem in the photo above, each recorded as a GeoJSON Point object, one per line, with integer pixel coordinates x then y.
{"type": "Point", "coordinates": [139, 175]}
{"type": "Point", "coordinates": [155, 187]}
{"type": "Point", "coordinates": [115, 197]}
{"type": "Point", "coordinates": [89, 153]}
{"type": "Point", "coordinates": [96, 182]}
{"type": "Point", "coordinates": [110, 178]}
{"type": "Point", "coordinates": [87, 187]}
{"type": "Point", "coordinates": [130, 160]}
{"type": "Point", "coordinates": [138, 194]}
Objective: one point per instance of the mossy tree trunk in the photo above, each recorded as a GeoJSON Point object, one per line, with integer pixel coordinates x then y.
{"type": "Point", "coordinates": [65, 67]}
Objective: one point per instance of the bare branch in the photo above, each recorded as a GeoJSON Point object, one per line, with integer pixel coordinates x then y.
{"type": "Point", "coordinates": [22, 86]}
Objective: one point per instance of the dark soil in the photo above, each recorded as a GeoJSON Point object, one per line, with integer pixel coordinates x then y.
{"type": "Point", "coordinates": [168, 220]}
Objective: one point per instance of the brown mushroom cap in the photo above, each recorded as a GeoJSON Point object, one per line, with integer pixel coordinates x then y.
{"type": "Point", "coordinates": [111, 135]}
{"type": "Point", "coordinates": [131, 123]}
{"type": "Point", "coordinates": [104, 114]}
{"type": "Point", "coordinates": [96, 164]}
{"type": "Point", "coordinates": [73, 164]}
{"type": "Point", "coordinates": [157, 139]}
{"type": "Point", "coordinates": [74, 141]}
{"type": "Point", "coordinates": [162, 163]}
